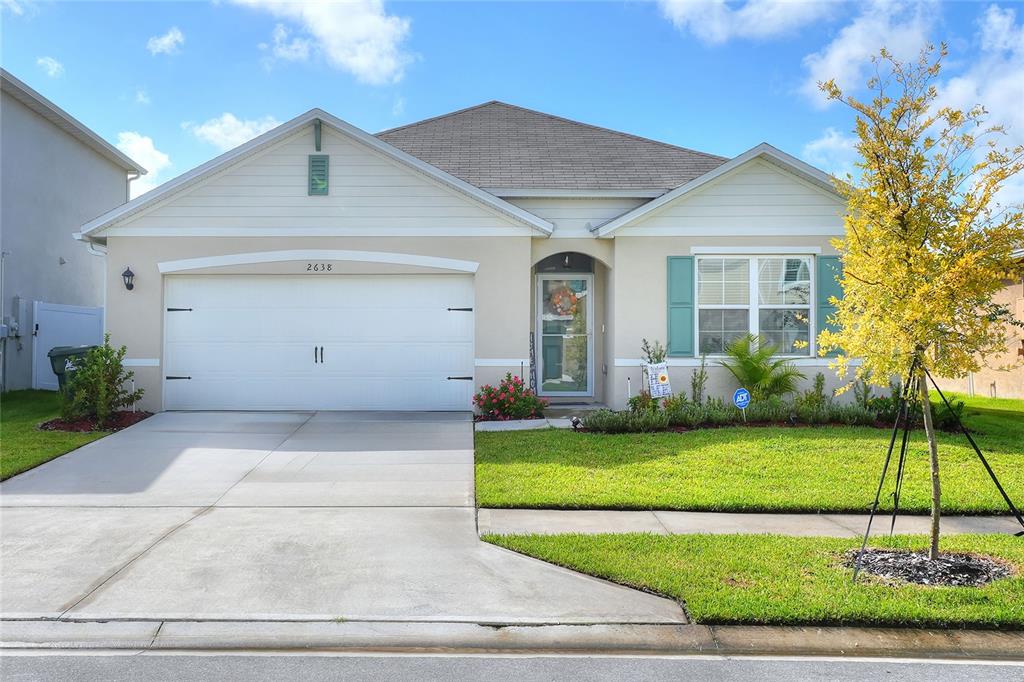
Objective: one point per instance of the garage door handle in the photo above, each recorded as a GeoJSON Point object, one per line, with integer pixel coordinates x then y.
{"type": "Point", "coordinates": [460, 378]}
{"type": "Point", "coordinates": [171, 378]}
{"type": "Point", "coordinates": [460, 310]}
{"type": "Point", "coordinates": [321, 355]}
{"type": "Point", "coordinates": [316, 355]}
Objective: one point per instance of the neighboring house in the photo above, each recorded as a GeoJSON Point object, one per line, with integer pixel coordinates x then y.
{"type": "Point", "coordinates": [1001, 375]}
{"type": "Point", "coordinates": [321, 267]}
{"type": "Point", "coordinates": [54, 174]}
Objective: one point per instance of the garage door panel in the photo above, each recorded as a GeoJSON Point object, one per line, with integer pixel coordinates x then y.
{"type": "Point", "coordinates": [389, 342]}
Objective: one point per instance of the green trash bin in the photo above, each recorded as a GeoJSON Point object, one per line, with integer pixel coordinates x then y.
{"type": "Point", "coordinates": [63, 360]}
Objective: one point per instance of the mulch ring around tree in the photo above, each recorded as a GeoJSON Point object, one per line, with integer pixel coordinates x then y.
{"type": "Point", "coordinates": [949, 570]}
{"type": "Point", "coordinates": [117, 421]}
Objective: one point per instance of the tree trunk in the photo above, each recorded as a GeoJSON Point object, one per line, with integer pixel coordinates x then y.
{"type": "Point", "coordinates": [933, 451]}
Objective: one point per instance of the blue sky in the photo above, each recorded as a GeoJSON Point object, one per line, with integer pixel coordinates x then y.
{"type": "Point", "coordinates": [174, 84]}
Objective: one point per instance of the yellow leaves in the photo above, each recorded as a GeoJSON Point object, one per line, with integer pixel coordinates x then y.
{"type": "Point", "coordinates": [922, 252]}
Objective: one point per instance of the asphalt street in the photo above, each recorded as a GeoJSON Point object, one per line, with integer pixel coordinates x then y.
{"type": "Point", "coordinates": [113, 666]}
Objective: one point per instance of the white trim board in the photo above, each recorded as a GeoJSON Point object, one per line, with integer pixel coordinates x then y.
{"type": "Point", "coordinates": [141, 362]}
{"type": "Point", "coordinates": [167, 267]}
{"type": "Point", "coordinates": [712, 361]}
{"type": "Point", "coordinates": [510, 231]}
{"type": "Point", "coordinates": [268, 138]}
{"type": "Point", "coordinates": [501, 362]}
{"type": "Point", "coordinates": [756, 250]}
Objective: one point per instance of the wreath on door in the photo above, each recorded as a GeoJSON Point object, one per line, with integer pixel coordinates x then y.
{"type": "Point", "coordinates": [564, 301]}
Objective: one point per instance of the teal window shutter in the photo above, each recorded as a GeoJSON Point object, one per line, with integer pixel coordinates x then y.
{"type": "Point", "coordinates": [319, 165]}
{"type": "Point", "coordinates": [830, 269]}
{"type": "Point", "coordinates": [680, 306]}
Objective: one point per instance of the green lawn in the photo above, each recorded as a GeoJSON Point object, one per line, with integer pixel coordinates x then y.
{"type": "Point", "coordinates": [22, 445]}
{"type": "Point", "coordinates": [747, 469]}
{"type": "Point", "coordinates": [761, 580]}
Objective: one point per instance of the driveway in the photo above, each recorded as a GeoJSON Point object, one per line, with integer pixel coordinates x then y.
{"type": "Point", "coordinates": [280, 516]}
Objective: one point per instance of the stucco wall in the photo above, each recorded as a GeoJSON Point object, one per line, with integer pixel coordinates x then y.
{"type": "Point", "coordinates": [502, 309]}
{"type": "Point", "coordinates": [640, 282]}
{"type": "Point", "coordinates": [49, 185]}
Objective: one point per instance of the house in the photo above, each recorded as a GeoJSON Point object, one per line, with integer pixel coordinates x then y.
{"type": "Point", "coordinates": [55, 174]}
{"type": "Point", "coordinates": [321, 267]}
{"type": "Point", "coordinates": [1001, 375]}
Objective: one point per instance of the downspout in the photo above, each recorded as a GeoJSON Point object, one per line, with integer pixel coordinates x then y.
{"type": "Point", "coordinates": [128, 185]}
{"type": "Point", "coordinates": [3, 341]}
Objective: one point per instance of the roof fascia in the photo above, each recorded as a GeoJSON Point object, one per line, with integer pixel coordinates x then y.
{"type": "Point", "coordinates": [545, 193]}
{"type": "Point", "coordinates": [86, 135]}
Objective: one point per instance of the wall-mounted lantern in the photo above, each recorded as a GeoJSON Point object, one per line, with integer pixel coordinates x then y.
{"type": "Point", "coordinates": [129, 278]}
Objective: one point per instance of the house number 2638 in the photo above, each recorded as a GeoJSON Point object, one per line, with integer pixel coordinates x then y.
{"type": "Point", "coordinates": [319, 267]}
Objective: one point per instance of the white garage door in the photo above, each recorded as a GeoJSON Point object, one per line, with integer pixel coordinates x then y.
{"type": "Point", "coordinates": [327, 342]}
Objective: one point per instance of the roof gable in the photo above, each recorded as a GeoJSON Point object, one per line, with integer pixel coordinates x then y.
{"type": "Point", "coordinates": [817, 182]}
{"type": "Point", "coordinates": [65, 121]}
{"type": "Point", "coordinates": [499, 146]}
{"type": "Point", "coordinates": [214, 169]}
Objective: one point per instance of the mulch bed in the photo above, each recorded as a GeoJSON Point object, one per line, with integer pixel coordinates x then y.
{"type": "Point", "coordinates": [949, 570]}
{"type": "Point", "coordinates": [119, 420]}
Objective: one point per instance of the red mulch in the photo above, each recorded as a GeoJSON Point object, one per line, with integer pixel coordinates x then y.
{"type": "Point", "coordinates": [119, 420]}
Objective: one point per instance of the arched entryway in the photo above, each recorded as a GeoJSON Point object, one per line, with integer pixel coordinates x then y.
{"type": "Point", "coordinates": [568, 336]}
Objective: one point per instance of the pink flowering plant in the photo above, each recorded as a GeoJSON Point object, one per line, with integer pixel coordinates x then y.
{"type": "Point", "coordinates": [511, 399]}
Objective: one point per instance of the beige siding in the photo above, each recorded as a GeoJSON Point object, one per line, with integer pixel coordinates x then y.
{"type": "Point", "coordinates": [758, 197]}
{"type": "Point", "coordinates": [367, 192]}
{"type": "Point", "coordinates": [574, 218]}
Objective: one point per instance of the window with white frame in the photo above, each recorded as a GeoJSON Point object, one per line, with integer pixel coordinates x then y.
{"type": "Point", "coordinates": [768, 296]}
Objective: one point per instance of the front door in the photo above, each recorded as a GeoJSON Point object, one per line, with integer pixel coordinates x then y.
{"type": "Point", "coordinates": [565, 312]}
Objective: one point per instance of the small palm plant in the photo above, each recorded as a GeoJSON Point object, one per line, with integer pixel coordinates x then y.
{"type": "Point", "coordinates": [755, 367]}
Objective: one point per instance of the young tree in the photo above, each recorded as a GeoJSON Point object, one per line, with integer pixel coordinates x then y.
{"type": "Point", "coordinates": [927, 244]}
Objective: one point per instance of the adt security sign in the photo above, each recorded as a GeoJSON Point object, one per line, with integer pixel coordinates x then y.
{"type": "Point", "coordinates": [741, 398]}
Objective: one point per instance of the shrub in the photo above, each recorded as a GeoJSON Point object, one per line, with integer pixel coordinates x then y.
{"type": "Point", "coordinates": [96, 389]}
{"type": "Point", "coordinates": [773, 409]}
{"type": "Point", "coordinates": [698, 380]}
{"type": "Point", "coordinates": [814, 398]}
{"type": "Point", "coordinates": [642, 402]}
{"type": "Point", "coordinates": [511, 399]}
{"type": "Point", "coordinates": [607, 421]}
{"type": "Point", "coordinates": [653, 353]}
{"type": "Point", "coordinates": [757, 370]}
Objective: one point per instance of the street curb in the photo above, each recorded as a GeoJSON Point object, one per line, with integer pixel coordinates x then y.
{"type": "Point", "coordinates": [721, 640]}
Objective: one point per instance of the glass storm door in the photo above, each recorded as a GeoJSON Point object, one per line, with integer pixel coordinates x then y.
{"type": "Point", "coordinates": [565, 311]}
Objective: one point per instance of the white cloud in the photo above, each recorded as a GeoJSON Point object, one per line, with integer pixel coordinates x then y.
{"type": "Point", "coordinates": [51, 66]}
{"type": "Point", "coordinates": [141, 96]}
{"type": "Point", "coordinates": [287, 48]}
{"type": "Point", "coordinates": [357, 36]}
{"type": "Point", "coordinates": [716, 21]}
{"type": "Point", "coordinates": [398, 108]}
{"type": "Point", "coordinates": [228, 131]}
{"type": "Point", "coordinates": [168, 43]}
{"type": "Point", "coordinates": [833, 152]}
{"type": "Point", "coordinates": [13, 6]}
{"type": "Point", "coordinates": [141, 148]}
{"type": "Point", "coordinates": [995, 79]}
{"type": "Point", "coordinates": [901, 28]}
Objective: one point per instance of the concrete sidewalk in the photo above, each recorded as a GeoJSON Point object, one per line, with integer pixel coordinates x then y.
{"type": "Point", "coordinates": [550, 522]}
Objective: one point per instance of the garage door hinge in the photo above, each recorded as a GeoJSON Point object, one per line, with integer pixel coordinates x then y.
{"type": "Point", "coordinates": [460, 378]}
{"type": "Point", "coordinates": [169, 378]}
{"type": "Point", "coordinates": [461, 310]}
{"type": "Point", "coordinates": [179, 310]}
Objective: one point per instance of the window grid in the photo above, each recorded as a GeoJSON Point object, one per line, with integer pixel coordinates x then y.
{"type": "Point", "coordinates": [790, 272]}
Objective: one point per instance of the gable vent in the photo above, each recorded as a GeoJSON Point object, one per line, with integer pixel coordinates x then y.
{"type": "Point", "coordinates": [318, 170]}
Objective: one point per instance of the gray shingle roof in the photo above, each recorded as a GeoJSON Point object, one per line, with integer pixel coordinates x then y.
{"type": "Point", "coordinates": [498, 145]}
